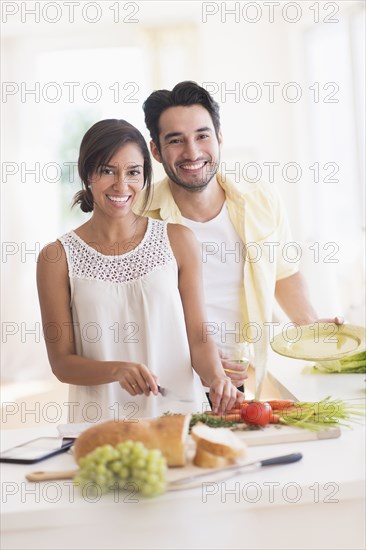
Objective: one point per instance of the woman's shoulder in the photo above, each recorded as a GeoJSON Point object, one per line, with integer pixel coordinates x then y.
{"type": "Point", "coordinates": [55, 253]}
{"type": "Point", "coordinates": [179, 230]}
{"type": "Point", "coordinates": [51, 249]}
{"type": "Point", "coordinates": [52, 259]}
{"type": "Point", "coordinates": [181, 236]}
{"type": "Point", "coordinates": [183, 242]}
{"type": "Point", "coordinates": [176, 232]}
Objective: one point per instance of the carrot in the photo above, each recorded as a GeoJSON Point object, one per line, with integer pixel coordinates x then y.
{"type": "Point", "coordinates": [280, 404]}
{"type": "Point", "coordinates": [237, 411]}
{"type": "Point", "coordinates": [232, 417]}
{"type": "Point", "coordinates": [275, 419]}
{"type": "Point", "coordinates": [238, 408]}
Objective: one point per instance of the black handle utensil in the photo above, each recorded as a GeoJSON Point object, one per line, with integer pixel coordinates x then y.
{"type": "Point", "coordinates": [235, 469]}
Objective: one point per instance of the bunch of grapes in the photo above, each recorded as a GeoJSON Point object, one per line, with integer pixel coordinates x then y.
{"type": "Point", "coordinates": [128, 462]}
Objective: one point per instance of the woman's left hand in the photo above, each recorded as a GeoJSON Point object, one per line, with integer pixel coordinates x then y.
{"type": "Point", "coordinates": [224, 394]}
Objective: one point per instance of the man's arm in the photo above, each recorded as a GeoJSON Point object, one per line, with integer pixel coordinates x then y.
{"type": "Point", "coordinates": [293, 296]}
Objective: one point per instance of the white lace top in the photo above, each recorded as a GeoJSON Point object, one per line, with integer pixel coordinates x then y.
{"type": "Point", "coordinates": [128, 308]}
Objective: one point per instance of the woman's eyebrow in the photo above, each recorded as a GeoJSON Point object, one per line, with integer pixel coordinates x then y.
{"type": "Point", "coordinates": [130, 164]}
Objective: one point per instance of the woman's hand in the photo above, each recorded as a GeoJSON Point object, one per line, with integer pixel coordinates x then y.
{"type": "Point", "coordinates": [224, 395]}
{"type": "Point", "coordinates": [137, 379]}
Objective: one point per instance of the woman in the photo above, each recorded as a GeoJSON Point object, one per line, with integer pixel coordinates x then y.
{"type": "Point", "coordinates": [122, 306]}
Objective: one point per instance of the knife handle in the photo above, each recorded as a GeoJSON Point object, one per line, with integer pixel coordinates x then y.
{"type": "Point", "coordinates": [47, 476]}
{"type": "Point", "coordinates": [285, 459]}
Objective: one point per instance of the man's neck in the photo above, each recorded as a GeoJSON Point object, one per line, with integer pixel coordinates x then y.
{"type": "Point", "coordinates": [199, 206]}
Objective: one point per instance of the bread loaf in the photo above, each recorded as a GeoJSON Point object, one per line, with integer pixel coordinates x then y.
{"type": "Point", "coordinates": [219, 441]}
{"type": "Point", "coordinates": [167, 433]}
{"type": "Point", "coordinates": [204, 459]}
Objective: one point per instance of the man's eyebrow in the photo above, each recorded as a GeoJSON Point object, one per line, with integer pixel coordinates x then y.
{"type": "Point", "coordinates": [170, 135]}
{"type": "Point", "coordinates": [204, 129]}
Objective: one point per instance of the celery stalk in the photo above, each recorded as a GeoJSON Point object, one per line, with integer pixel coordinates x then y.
{"type": "Point", "coordinates": [351, 364]}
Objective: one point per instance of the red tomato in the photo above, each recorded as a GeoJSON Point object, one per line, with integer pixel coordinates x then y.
{"type": "Point", "coordinates": [256, 413]}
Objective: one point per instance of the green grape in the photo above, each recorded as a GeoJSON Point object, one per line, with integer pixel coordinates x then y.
{"type": "Point", "coordinates": [116, 466]}
{"type": "Point", "coordinates": [124, 473]}
{"type": "Point", "coordinates": [109, 467]}
{"type": "Point", "coordinates": [139, 463]}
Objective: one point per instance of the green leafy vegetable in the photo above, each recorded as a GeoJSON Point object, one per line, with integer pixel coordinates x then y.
{"type": "Point", "coordinates": [351, 364]}
{"type": "Point", "coordinates": [322, 414]}
{"type": "Point", "coordinates": [217, 422]}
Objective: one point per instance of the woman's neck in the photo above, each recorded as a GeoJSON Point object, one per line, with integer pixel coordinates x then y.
{"type": "Point", "coordinates": [115, 237]}
{"type": "Point", "coordinates": [105, 230]}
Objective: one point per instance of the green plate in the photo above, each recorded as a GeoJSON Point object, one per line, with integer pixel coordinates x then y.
{"type": "Point", "coordinates": [320, 341]}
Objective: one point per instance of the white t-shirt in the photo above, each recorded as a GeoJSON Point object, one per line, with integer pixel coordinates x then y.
{"type": "Point", "coordinates": [223, 256]}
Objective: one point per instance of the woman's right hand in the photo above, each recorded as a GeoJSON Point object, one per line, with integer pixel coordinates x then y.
{"type": "Point", "coordinates": [137, 379]}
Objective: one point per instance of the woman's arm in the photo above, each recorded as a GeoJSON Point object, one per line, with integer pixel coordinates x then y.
{"type": "Point", "coordinates": [204, 354]}
{"type": "Point", "coordinates": [54, 299]}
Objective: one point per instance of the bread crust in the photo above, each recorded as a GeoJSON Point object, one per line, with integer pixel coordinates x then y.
{"type": "Point", "coordinates": [208, 439]}
{"type": "Point", "coordinates": [204, 459]}
{"type": "Point", "coordinates": [167, 433]}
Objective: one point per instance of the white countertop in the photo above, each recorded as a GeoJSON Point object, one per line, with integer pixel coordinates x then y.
{"type": "Point", "coordinates": [301, 381]}
{"type": "Point", "coordinates": [318, 502]}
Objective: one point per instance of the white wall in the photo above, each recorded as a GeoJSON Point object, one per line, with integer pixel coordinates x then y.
{"type": "Point", "coordinates": [177, 45]}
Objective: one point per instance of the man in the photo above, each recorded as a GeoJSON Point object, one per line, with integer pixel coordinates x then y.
{"type": "Point", "coordinates": [242, 229]}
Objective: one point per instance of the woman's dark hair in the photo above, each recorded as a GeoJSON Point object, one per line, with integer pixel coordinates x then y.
{"type": "Point", "coordinates": [183, 94]}
{"type": "Point", "coordinates": [98, 146]}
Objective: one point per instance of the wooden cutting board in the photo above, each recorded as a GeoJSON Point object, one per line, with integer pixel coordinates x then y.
{"type": "Point", "coordinates": [269, 435]}
{"type": "Point", "coordinates": [273, 435]}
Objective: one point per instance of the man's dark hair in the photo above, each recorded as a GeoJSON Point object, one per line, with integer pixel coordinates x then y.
{"type": "Point", "coordinates": [183, 94]}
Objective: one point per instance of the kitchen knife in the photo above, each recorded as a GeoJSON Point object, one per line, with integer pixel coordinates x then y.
{"type": "Point", "coordinates": [235, 469]}
{"type": "Point", "coordinates": [185, 482]}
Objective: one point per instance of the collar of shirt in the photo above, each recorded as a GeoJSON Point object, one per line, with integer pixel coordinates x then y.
{"type": "Point", "coordinates": [163, 205]}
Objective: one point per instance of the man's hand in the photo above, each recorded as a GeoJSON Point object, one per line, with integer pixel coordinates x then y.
{"type": "Point", "coordinates": [336, 320]}
{"type": "Point", "coordinates": [235, 371]}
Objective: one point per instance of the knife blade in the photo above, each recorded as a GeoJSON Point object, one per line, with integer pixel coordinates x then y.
{"type": "Point", "coordinates": [236, 469]}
